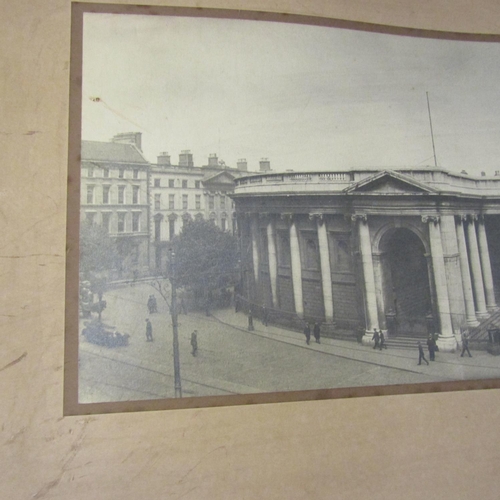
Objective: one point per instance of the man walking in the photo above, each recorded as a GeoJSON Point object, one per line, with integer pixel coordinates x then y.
{"type": "Point", "coordinates": [376, 338]}
{"type": "Point", "coordinates": [265, 315]}
{"type": "Point", "coordinates": [149, 331]}
{"type": "Point", "coordinates": [317, 332]}
{"type": "Point", "coordinates": [465, 345]}
{"type": "Point", "coordinates": [382, 340]}
{"type": "Point", "coordinates": [194, 343]}
{"type": "Point", "coordinates": [431, 345]}
{"type": "Point", "coordinates": [421, 354]}
{"type": "Point", "coordinates": [307, 333]}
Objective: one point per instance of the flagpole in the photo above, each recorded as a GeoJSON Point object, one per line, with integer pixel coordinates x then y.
{"type": "Point", "coordinates": [432, 133]}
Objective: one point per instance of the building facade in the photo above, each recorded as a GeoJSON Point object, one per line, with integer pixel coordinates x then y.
{"type": "Point", "coordinates": [115, 195]}
{"type": "Point", "coordinates": [412, 249]}
{"type": "Point", "coordinates": [182, 192]}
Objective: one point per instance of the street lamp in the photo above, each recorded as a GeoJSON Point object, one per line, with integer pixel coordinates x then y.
{"type": "Point", "coordinates": [173, 312]}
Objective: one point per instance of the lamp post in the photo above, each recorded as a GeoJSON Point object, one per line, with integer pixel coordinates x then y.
{"type": "Point", "coordinates": [173, 312]}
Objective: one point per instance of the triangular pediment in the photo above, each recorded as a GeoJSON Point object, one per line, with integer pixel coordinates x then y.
{"type": "Point", "coordinates": [389, 183]}
{"type": "Point", "coordinates": [220, 178]}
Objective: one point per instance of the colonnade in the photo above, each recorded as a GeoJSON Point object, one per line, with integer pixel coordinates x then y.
{"type": "Point", "coordinates": [463, 237]}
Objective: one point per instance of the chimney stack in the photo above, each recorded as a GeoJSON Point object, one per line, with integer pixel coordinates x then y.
{"type": "Point", "coordinates": [186, 158]}
{"type": "Point", "coordinates": [213, 161]}
{"type": "Point", "coordinates": [134, 138]}
{"type": "Point", "coordinates": [265, 165]}
{"type": "Point", "coordinates": [164, 159]}
{"type": "Point", "coordinates": [242, 165]}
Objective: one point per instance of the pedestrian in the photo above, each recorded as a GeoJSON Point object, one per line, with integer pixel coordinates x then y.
{"type": "Point", "coordinates": [431, 345]}
{"type": "Point", "coordinates": [149, 331]}
{"type": "Point", "coordinates": [465, 345]}
{"type": "Point", "coordinates": [376, 338]}
{"type": "Point", "coordinates": [421, 354]}
{"type": "Point", "coordinates": [307, 333]}
{"type": "Point", "coordinates": [194, 343]}
{"type": "Point", "coordinates": [237, 303]}
{"type": "Point", "coordinates": [265, 315]}
{"type": "Point", "coordinates": [250, 321]}
{"type": "Point", "coordinates": [382, 341]}
{"type": "Point", "coordinates": [150, 305]}
{"type": "Point", "coordinates": [184, 309]}
{"type": "Point", "coordinates": [317, 332]}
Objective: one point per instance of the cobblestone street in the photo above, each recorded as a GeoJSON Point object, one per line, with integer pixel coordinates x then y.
{"type": "Point", "coordinates": [232, 360]}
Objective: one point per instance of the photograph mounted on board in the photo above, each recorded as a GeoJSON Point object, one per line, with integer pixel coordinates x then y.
{"type": "Point", "coordinates": [265, 211]}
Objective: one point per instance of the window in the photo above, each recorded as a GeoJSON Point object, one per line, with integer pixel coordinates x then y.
{"type": "Point", "coordinates": [121, 173]}
{"type": "Point", "coordinates": [157, 229]}
{"type": "Point", "coordinates": [105, 172]}
{"type": "Point", "coordinates": [184, 184]}
{"type": "Point", "coordinates": [136, 173]}
{"type": "Point", "coordinates": [340, 257]}
{"type": "Point", "coordinates": [90, 172]}
{"type": "Point", "coordinates": [171, 229]}
{"type": "Point", "coordinates": [135, 195]}
{"type": "Point", "coordinates": [106, 217]}
{"type": "Point", "coordinates": [184, 201]}
{"type": "Point", "coordinates": [105, 194]}
{"type": "Point", "coordinates": [121, 222]}
{"type": "Point", "coordinates": [222, 202]}
{"type": "Point", "coordinates": [283, 248]}
{"type": "Point", "coordinates": [198, 202]}
{"type": "Point", "coordinates": [157, 183]}
{"type": "Point", "coordinates": [90, 195]}
{"type": "Point", "coordinates": [121, 195]}
{"type": "Point", "coordinates": [90, 218]}
{"type": "Point", "coordinates": [211, 203]}
{"type": "Point", "coordinates": [171, 201]}
{"type": "Point", "coordinates": [223, 224]}
{"type": "Point", "coordinates": [311, 256]}
{"type": "Point", "coordinates": [157, 201]}
{"type": "Point", "coordinates": [197, 184]}
{"type": "Point", "coordinates": [171, 183]}
{"type": "Point", "coordinates": [135, 221]}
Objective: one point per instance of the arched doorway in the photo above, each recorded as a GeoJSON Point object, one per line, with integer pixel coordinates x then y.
{"type": "Point", "coordinates": [405, 280]}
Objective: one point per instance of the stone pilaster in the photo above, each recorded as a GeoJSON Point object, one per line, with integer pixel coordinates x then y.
{"type": "Point", "coordinates": [370, 294]}
{"type": "Point", "coordinates": [486, 266]}
{"type": "Point", "coordinates": [470, 311]}
{"type": "Point", "coordinates": [326, 273]}
{"type": "Point", "coordinates": [475, 265]}
{"type": "Point", "coordinates": [273, 260]}
{"type": "Point", "coordinates": [446, 339]}
{"type": "Point", "coordinates": [296, 269]}
{"type": "Point", "coordinates": [254, 229]}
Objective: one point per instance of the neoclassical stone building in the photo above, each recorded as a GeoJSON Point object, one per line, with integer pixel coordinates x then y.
{"type": "Point", "coordinates": [396, 250]}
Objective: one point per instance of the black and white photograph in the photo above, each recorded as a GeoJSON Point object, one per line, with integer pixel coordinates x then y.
{"type": "Point", "coordinates": [283, 208]}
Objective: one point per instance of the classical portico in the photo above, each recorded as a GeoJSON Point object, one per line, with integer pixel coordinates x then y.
{"type": "Point", "coordinates": [368, 249]}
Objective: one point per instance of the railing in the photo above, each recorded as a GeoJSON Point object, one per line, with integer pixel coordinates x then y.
{"type": "Point", "coordinates": [298, 177]}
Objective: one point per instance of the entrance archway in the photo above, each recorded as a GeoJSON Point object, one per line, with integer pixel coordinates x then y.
{"type": "Point", "coordinates": [405, 277]}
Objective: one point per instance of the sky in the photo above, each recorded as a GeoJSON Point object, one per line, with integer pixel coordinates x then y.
{"type": "Point", "coordinates": [305, 97]}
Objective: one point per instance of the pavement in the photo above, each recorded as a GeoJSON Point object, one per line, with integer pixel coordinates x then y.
{"type": "Point", "coordinates": [232, 360]}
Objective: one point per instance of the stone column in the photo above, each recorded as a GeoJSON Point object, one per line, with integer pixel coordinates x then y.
{"type": "Point", "coordinates": [470, 311]}
{"type": "Point", "coordinates": [326, 272]}
{"type": "Point", "coordinates": [296, 269]}
{"type": "Point", "coordinates": [379, 291]}
{"type": "Point", "coordinates": [446, 340]}
{"type": "Point", "coordinates": [475, 264]}
{"type": "Point", "coordinates": [370, 295]}
{"type": "Point", "coordinates": [273, 261]}
{"type": "Point", "coordinates": [486, 266]}
{"type": "Point", "coordinates": [255, 247]}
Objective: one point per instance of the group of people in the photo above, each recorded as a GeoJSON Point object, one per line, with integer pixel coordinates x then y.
{"type": "Point", "coordinates": [379, 339]}
{"type": "Point", "coordinates": [316, 330]}
{"type": "Point", "coordinates": [194, 337]}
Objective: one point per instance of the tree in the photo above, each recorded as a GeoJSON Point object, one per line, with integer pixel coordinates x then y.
{"type": "Point", "coordinates": [98, 253]}
{"type": "Point", "coordinates": [206, 259]}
